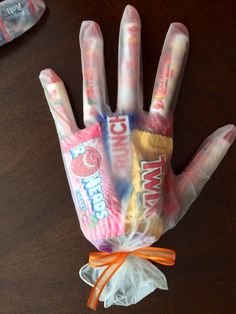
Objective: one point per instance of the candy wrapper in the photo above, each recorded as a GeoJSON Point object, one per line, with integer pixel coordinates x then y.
{"type": "Point", "coordinates": [17, 16]}
{"type": "Point", "coordinates": [119, 167]}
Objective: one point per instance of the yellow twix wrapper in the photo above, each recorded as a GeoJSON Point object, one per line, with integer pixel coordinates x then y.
{"type": "Point", "coordinates": [150, 152]}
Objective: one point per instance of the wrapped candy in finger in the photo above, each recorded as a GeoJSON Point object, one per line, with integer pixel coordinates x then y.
{"type": "Point", "coordinates": [86, 164]}
{"type": "Point", "coordinates": [119, 169]}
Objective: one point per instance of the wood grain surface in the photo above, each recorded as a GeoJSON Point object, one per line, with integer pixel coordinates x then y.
{"type": "Point", "coordinates": [41, 244]}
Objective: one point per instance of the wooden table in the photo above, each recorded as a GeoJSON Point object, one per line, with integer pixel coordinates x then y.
{"type": "Point", "coordinates": [42, 246]}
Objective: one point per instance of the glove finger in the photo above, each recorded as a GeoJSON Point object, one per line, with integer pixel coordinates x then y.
{"type": "Point", "coordinates": [129, 77]}
{"type": "Point", "coordinates": [94, 81]}
{"type": "Point", "coordinates": [170, 70]}
{"type": "Point", "coordinates": [59, 103]}
{"type": "Point", "coordinates": [190, 183]}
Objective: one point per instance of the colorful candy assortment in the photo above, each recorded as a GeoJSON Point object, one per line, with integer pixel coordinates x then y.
{"type": "Point", "coordinates": [119, 167]}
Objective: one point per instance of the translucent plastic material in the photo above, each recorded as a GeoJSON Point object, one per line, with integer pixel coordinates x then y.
{"type": "Point", "coordinates": [17, 16]}
{"type": "Point", "coordinates": [119, 171]}
{"type": "Point", "coordinates": [131, 283]}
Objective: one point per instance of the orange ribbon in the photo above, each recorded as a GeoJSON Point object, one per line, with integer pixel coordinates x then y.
{"type": "Point", "coordinates": [113, 261]}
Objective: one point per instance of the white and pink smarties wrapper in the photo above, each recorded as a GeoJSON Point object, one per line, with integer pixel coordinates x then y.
{"type": "Point", "coordinates": [18, 16]}
{"type": "Point", "coordinates": [119, 167]}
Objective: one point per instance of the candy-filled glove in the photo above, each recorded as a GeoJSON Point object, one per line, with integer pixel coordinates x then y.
{"type": "Point", "coordinates": [119, 167]}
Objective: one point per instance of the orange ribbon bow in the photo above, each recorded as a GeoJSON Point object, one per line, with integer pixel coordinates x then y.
{"type": "Point", "coordinates": [113, 261]}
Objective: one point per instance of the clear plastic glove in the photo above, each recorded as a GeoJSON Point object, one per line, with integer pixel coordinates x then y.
{"type": "Point", "coordinates": [119, 171]}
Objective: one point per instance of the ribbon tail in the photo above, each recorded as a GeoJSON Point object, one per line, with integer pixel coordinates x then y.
{"type": "Point", "coordinates": [103, 280]}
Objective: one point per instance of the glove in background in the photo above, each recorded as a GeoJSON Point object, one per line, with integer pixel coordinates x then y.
{"type": "Point", "coordinates": [42, 245]}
